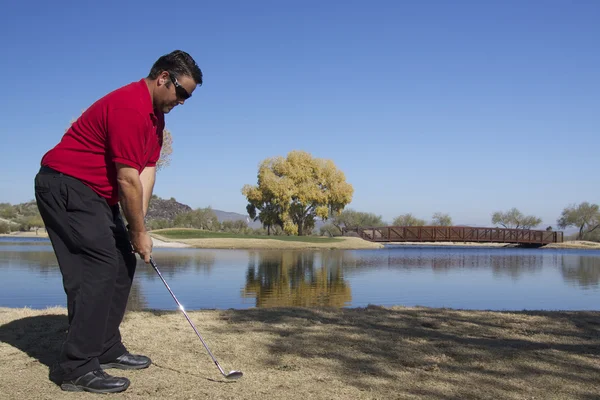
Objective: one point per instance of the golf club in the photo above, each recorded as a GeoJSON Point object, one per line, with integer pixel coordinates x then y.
{"type": "Point", "coordinates": [231, 374]}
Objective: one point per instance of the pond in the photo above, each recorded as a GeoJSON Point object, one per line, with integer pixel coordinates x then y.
{"type": "Point", "coordinates": [432, 276]}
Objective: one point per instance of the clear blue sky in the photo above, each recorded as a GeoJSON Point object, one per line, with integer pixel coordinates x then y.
{"type": "Point", "coordinates": [464, 107]}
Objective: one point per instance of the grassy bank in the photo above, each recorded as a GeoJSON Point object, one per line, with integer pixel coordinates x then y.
{"type": "Point", "coordinates": [223, 240]}
{"type": "Point", "coordinates": [286, 353]}
{"type": "Point", "coordinates": [181, 233]}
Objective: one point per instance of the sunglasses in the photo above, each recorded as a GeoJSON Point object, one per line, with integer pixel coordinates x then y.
{"type": "Point", "coordinates": [179, 90]}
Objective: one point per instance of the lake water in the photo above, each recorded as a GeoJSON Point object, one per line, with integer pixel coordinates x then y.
{"type": "Point", "coordinates": [454, 277]}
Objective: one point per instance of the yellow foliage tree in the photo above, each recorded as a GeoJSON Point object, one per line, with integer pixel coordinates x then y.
{"type": "Point", "coordinates": [297, 189]}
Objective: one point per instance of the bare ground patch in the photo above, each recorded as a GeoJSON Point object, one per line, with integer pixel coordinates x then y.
{"type": "Point", "coordinates": [574, 244]}
{"type": "Point", "coordinates": [347, 243]}
{"type": "Point", "coordinates": [299, 353]}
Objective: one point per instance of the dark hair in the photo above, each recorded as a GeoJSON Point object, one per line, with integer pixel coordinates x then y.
{"type": "Point", "coordinates": [178, 63]}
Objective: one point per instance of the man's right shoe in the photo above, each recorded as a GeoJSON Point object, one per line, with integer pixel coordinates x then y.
{"type": "Point", "coordinates": [96, 381]}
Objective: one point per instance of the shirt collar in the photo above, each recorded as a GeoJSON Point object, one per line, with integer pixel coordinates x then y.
{"type": "Point", "coordinates": [147, 100]}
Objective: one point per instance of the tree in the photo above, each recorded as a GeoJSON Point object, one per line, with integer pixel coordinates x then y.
{"type": "Point", "coordinates": [298, 189]}
{"type": "Point", "coordinates": [408, 220]}
{"type": "Point", "coordinates": [514, 219]}
{"type": "Point", "coordinates": [237, 226]}
{"type": "Point", "coordinates": [329, 230]}
{"type": "Point", "coordinates": [585, 216]}
{"type": "Point", "coordinates": [200, 218]}
{"type": "Point", "coordinates": [7, 211]}
{"type": "Point", "coordinates": [441, 219]}
{"type": "Point", "coordinates": [166, 151]}
{"type": "Point", "coordinates": [159, 223]}
{"type": "Point", "coordinates": [31, 222]}
{"type": "Point", "coordinates": [268, 215]}
{"type": "Point", "coordinates": [352, 219]}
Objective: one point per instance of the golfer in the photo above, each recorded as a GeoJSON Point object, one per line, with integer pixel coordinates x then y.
{"type": "Point", "coordinates": [106, 158]}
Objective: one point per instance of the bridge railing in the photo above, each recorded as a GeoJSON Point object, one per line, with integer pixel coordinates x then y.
{"type": "Point", "coordinates": [456, 234]}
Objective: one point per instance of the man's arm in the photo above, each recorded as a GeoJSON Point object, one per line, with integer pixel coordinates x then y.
{"type": "Point", "coordinates": [147, 178]}
{"type": "Point", "coordinates": [131, 193]}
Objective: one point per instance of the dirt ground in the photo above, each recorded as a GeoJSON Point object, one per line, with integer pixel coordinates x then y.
{"type": "Point", "coordinates": [574, 244]}
{"type": "Point", "coordinates": [298, 353]}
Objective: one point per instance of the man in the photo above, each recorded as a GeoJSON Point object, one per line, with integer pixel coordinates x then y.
{"type": "Point", "coordinates": [108, 156]}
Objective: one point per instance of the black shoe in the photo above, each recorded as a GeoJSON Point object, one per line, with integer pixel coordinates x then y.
{"type": "Point", "coordinates": [96, 381]}
{"type": "Point", "coordinates": [128, 361]}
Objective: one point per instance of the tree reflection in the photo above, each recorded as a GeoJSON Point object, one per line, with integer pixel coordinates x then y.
{"type": "Point", "coordinates": [298, 279]}
{"type": "Point", "coordinates": [582, 270]}
{"type": "Point", "coordinates": [39, 260]}
{"type": "Point", "coordinates": [513, 265]}
{"type": "Point", "coordinates": [137, 300]}
{"type": "Point", "coordinates": [171, 262]}
{"type": "Point", "coordinates": [43, 262]}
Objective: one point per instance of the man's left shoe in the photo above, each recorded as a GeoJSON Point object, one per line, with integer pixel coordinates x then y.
{"type": "Point", "coordinates": [128, 361]}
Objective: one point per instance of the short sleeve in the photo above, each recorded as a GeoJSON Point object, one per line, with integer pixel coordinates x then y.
{"type": "Point", "coordinates": [126, 137]}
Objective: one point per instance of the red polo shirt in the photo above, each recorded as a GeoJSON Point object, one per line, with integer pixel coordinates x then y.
{"type": "Point", "coordinates": [120, 127]}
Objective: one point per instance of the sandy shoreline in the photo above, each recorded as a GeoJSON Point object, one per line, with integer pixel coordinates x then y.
{"type": "Point", "coordinates": [348, 243]}
{"type": "Point", "coordinates": [299, 353]}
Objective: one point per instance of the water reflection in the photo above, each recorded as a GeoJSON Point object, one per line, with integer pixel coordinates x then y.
{"type": "Point", "coordinates": [581, 271]}
{"type": "Point", "coordinates": [302, 279]}
{"type": "Point", "coordinates": [207, 278]}
{"type": "Point", "coordinates": [137, 300]}
{"type": "Point", "coordinates": [169, 264]}
{"type": "Point", "coordinates": [576, 268]}
{"type": "Point", "coordinates": [34, 258]}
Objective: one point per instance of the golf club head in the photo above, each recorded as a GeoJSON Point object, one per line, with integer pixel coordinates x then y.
{"type": "Point", "coordinates": [234, 375]}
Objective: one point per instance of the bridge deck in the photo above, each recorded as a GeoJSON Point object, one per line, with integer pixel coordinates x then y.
{"type": "Point", "coordinates": [456, 234]}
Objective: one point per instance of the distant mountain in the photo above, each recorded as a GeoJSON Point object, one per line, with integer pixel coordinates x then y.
{"type": "Point", "coordinates": [233, 216]}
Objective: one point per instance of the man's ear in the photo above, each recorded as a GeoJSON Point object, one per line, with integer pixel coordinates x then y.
{"type": "Point", "coordinates": [163, 79]}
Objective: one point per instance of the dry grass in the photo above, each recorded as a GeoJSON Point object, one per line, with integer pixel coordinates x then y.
{"type": "Point", "coordinates": [574, 244]}
{"type": "Point", "coordinates": [298, 353]}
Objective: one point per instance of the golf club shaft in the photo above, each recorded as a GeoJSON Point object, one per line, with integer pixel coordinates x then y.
{"type": "Point", "coordinates": [186, 316]}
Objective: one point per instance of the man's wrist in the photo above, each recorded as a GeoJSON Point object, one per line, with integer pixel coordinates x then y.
{"type": "Point", "coordinates": [130, 229]}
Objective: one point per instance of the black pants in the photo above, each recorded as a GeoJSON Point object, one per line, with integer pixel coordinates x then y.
{"type": "Point", "coordinates": [97, 264]}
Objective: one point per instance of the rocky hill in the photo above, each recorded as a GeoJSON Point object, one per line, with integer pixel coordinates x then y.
{"type": "Point", "coordinates": [165, 209]}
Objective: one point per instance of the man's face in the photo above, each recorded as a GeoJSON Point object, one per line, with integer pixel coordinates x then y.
{"type": "Point", "coordinates": [173, 91]}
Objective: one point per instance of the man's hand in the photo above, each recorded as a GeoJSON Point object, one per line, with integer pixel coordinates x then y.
{"type": "Point", "coordinates": [142, 244]}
